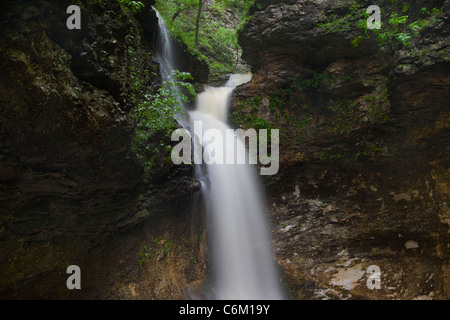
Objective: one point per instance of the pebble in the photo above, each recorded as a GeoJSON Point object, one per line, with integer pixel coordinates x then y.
{"type": "Point", "coordinates": [411, 244]}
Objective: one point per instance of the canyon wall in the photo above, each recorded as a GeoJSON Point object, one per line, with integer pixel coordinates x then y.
{"type": "Point", "coordinates": [364, 155]}
{"type": "Point", "coordinates": [71, 186]}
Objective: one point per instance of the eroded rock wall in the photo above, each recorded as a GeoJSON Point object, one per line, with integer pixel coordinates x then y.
{"type": "Point", "coordinates": [364, 153]}
{"type": "Point", "coordinates": [69, 180]}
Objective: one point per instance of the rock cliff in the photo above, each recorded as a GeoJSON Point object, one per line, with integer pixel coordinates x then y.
{"type": "Point", "coordinates": [364, 156]}
{"type": "Point", "coordinates": [68, 177]}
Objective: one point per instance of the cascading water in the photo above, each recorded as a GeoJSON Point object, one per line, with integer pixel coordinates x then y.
{"type": "Point", "coordinates": [165, 47]}
{"type": "Point", "coordinates": [240, 241]}
{"type": "Point", "coordinates": [165, 57]}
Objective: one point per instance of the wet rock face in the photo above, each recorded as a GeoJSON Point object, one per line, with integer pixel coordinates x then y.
{"type": "Point", "coordinates": [65, 132]}
{"type": "Point", "coordinates": [326, 241]}
{"type": "Point", "coordinates": [363, 176]}
{"type": "Point", "coordinates": [67, 171]}
{"type": "Point", "coordinates": [290, 28]}
{"type": "Point", "coordinates": [68, 177]}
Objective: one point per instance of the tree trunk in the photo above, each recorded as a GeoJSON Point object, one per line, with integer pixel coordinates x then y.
{"type": "Point", "coordinates": [176, 14]}
{"type": "Point", "coordinates": [181, 8]}
{"type": "Point", "coordinates": [197, 25]}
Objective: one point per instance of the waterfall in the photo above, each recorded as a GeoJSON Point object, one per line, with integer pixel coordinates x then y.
{"type": "Point", "coordinates": [165, 54]}
{"type": "Point", "coordinates": [239, 237]}
{"type": "Point", "coordinates": [166, 59]}
{"type": "Point", "coordinates": [240, 241]}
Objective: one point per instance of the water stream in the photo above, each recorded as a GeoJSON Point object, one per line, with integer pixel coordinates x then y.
{"type": "Point", "coordinates": [242, 263]}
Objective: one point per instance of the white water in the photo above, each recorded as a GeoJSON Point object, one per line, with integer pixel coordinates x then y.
{"type": "Point", "coordinates": [240, 243]}
{"type": "Point", "coordinates": [165, 47]}
{"type": "Point", "coordinates": [166, 59]}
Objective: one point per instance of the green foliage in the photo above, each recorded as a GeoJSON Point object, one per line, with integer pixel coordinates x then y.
{"type": "Point", "coordinates": [344, 121]}
{"type": "Point", "coordinates": [278, 103]}
{"type": "Point", "coordinates": [368, 148]}
{"type": "Point", "coordinates": [312, 80]}
{"type": "Point", "coordinates": [156, 110]}
{"type": "Point", "coordinates": [247, 114]}
{"type": "Point", "coordinates": [135, 6]}
{"type": "Point", "coordinates": [330, 154]}
{"type": "Point", "coordinates": [344, 23]}
{"type": "Point", "coordinates": [250, 119]}
{"type": "Point", "coordinates": [156, 115]}
{"type": "Point", "coordinates": [336, 24]}
{"type": "Point", "coordinates": [445, 53]}
{"type": "Point", "coordinates": [400, 27]}
{"type": "Point", "coordinates": [144, 255]}
{"type": "Point", "coordinates": [217, 43]}
{"type": "Point", "coordinates": [162, 247]}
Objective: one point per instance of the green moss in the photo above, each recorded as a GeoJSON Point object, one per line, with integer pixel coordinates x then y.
{"type": "Point", "coordinates": [250, 119]}
{"type": "Point", "coordinates": [345, 23]}
{"type": "Point", "coordinates": [344, 121]}
{"type": "Point", "coordinates": [376, 103]}
{"type": "Point", "coordinates": [367, 148]}
{"type": "Point", "coordinates": [312, 80]}
{"type": "Point", "coordinates": [330, 154]}
{"type": "Point", "coordinates": [247, 113]}
{"type": "Point", "coordinates": [400, 28]}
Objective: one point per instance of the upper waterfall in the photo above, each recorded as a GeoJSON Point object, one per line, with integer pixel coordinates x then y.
{"type": "Point", "coordinates": [165, 53]}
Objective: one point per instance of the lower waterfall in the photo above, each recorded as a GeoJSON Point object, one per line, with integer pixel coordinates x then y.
{"type": "Point", "coordinates": [242, 262]}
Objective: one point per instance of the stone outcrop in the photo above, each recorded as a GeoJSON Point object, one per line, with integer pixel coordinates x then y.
{"type": "Point", "coordinates": [69, 180]}
{"type": "Point", "coordinates": [364, 150]}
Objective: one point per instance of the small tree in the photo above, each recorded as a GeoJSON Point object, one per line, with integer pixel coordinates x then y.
{"type": "Point", "coordinates": [197, 23]}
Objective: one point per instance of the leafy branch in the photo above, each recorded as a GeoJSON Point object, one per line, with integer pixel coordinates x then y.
{"type": "Point", "coordinates": [135, 6]}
